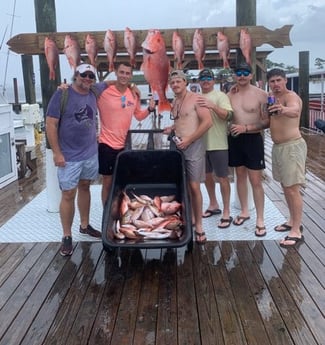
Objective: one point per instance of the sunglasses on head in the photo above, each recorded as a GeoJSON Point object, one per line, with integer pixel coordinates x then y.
{"type": "Point", "coordinates": [244, 73]}
{"type": "Point", "coordinates": [123, 101]}
{"type": "Point", "coordinates": [89, 75]}
{"type": "Point", "coordinates": [205, 79]}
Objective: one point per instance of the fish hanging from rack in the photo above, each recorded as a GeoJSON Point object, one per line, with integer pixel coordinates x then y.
{"type": "Point", "coordinates": [110, 47]}
{"type": "Point", "coordinates": [245, 44]}
{"type": "Point", "coordinates": [178, 48]}
{"type": "Point", "coordinates": [72, 51]}
{"type": "Point", "coordinates": [51, 55]}
{"type": "Point", "coordinates": [130, 45]}
{"type": "Point", "coordinates": [156, 66]}
{"type": "Point", "coordinates": [91, 48]}
{"type": "Point", "coordinates": [223, 48]}
{"type": "Point", "coordinates": [199, 47]}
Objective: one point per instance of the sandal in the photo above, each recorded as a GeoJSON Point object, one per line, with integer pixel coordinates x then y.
{"type": "Point", "coordinates": [208, 213]}
{"type": "Point", "coordinates": [225, 221]}
{"type": "Point", "coordinates": [297, 241]}
{"type": "Point", "coordinates": [240, 220]}
{"type": "Point", "coordinates": [258, 229]}
{"type": "Point", "coordinates": [199, 235]}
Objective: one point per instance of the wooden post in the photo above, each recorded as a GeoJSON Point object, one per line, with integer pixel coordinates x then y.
{"type": "Point", "coordinates": [29, 78]}
{"type": "Point", "coordinates": [246, 15]}
{"type": "Point", "coordinates": [46, 22]}
{"type": "Point", "coordinates": [303, 87]}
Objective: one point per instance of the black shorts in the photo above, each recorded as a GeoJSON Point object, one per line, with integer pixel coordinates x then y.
{"type": "Point", "coordinates": [107, 158]}
{"type": "Point", "coordinates": [246, 150]}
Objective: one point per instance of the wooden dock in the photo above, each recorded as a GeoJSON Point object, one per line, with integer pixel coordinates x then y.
{"type": "Point", "coordinates": [230, 292]}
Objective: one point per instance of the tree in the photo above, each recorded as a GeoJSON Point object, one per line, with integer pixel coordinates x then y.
{"type": "Point", "coordinates": [319, 63]}
{"type": "Point", "coordinates": [289, 69]}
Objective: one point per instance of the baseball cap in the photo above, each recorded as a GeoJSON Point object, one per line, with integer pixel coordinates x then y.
{"type": "Point", "coordinates": [206, 72]}
{"type": "Point", "coordinates": [177, 74]}
{"type": "Point", "coordinates": [243, 66]}
{"type": "Point", "coordinates": [86, 68]}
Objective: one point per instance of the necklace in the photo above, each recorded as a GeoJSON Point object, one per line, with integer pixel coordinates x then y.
{"type": "Point", "coordinates": [177, 107]}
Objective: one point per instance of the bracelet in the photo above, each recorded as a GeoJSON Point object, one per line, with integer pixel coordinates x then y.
{"type": "Point", "coordinates": [246, 128]}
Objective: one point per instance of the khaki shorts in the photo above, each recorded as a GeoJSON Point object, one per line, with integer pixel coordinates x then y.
{"type": "Point", "coordinates": [289, 162]}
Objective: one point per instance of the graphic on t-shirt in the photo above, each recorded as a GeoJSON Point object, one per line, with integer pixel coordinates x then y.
{"type": "Point", "coordinates": [85, 115]}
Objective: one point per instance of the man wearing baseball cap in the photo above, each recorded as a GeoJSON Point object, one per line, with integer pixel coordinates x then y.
{"type": "Point", "coordinates": [216, 158]}
{"type": "Point", "coordinates": [72, 138]}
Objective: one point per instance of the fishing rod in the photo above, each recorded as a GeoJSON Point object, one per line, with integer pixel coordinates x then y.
{"type": "Point", "coordinates": [3, 37]}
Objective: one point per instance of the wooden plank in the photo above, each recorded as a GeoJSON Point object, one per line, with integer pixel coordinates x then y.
{"type": "Point", "coordinates": [167, 299]}
{"type": "Point", "coordinates": [117, 264]}
{"type": "Point", "coordinates": [19, 311]}
{"type": "Point", "coordinates": [33, 43]}
{"type": "Point", "coordinates": [274, 271]}
{"type": "Point", "coordinates": [85, 258]}
{"type": "Point", "coordinates": [210, 327]}
{"type": "Point", "coordinates": [188, 322]}
{"type": "Point", "coordinates": [231, 325]}
{"type": "Point", "coordinates": [272, 319]}
{"type": "Point", "coordinates": [252, 322]}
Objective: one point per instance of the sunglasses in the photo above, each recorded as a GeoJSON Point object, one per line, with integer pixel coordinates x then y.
{"type": "Point", "coordinates": [205, 79]}
{"type": "Point", "coordinates": [244, 73]}
{"type": "Point", "coordinates": [89, 75]}
{"type": "Point", "coordinates": [123, 101]}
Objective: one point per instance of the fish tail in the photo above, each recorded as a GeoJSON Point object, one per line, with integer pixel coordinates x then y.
{"type": "Point", "coordinates": [52, 75]}
{"type": "Point", "coordinates": [163, 106]}
{"type": "Point", "coordinates": [201, 65]}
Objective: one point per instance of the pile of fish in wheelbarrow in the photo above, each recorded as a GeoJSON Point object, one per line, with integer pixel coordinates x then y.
{"type": "Point", "coordinates": [143, 217]}
{"type": "Point", "coordinates": [148, 205]}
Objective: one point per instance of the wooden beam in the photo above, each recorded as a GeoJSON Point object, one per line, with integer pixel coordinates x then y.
{"type": "Point", "coordinates": [33, 43]}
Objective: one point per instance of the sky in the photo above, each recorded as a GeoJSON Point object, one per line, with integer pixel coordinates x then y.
{"type": "Point", "coordinates": [306, 16]}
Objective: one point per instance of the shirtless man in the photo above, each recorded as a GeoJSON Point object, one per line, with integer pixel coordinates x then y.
{"type": "Point", "coordinates": [246, 144]}
{"type": "Point", "coordinates": [191, 121]}
{"type": "Point", "coordinates": [289, 152]}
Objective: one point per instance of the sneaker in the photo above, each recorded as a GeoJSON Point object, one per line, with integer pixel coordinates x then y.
{"type": "Point", "coordinates": [90, 231]}
{"type": "Point", "coordinates": [66, 247]}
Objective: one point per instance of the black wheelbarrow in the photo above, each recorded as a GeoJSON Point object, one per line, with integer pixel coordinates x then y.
{"type": "Point", "coordinates": [151, 172]}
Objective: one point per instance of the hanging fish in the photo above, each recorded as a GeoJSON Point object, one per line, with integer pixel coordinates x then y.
{"type": "Point", "coordinates": [91, 49]}
{"type": "Point", "coordinates": [52, 56]}
{"type": "Point", "coordinates": [110, 47]}
{"type": "Point", "coordinates": [245, 44]}
{"type": "Point", "coordinates": [156, 67]}
{"type": "Point", "coordinates": [199, 47]}
{"type": "Point", "coordinates": [72, 51]}
{"type": "Point", "coordinates": [223, 48]}
{"type": "Point", "coordinates": [130, 45]}
{"type": "Point", "coordinates": [178, 48]}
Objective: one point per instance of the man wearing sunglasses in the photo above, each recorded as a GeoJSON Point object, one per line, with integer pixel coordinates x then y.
{"type": "Point", "coordinates": [117, 105]}
{"type": "Point", "coordinates": [72, 137]}
{"type": "Point", "coordinates": [246, 143]}
{"type": "Point", "coordinates": [216, 146]}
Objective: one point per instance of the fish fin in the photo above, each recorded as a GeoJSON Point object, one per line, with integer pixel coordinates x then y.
{"type": "Point", "coordinates": [163, 106]}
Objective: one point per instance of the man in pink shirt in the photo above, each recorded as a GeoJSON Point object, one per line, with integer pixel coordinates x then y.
{"type": "Point", "coordinates": [117, 104]}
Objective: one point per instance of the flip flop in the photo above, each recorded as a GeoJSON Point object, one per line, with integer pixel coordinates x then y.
{"type": "Point", "coordinates": [227, 221]}
{"type": "Point", "coordinates": [240, 220]}
{"type": "Point", "coordinates": [260, 228]}
{"type": "Point", "coordinates": [208, 213]}
{"type": "Point", "coordinates": [285, 227]}
{"type": "Point", "coordinates": [199, 235]}
{"type": "Point", "coordinates": [297, 241]}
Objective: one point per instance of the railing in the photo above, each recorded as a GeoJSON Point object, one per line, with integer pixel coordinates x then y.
{"type": "Point", "coordinates": [316, 111]}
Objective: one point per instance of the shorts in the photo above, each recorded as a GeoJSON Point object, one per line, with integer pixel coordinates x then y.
{"type": "Point", "coordinates": [217, 161]}
{"type": "Point", "coordinates": [107, 158]}
{"type": "Point", "coordinates": [195, 170]}
{"type": "Point", "coordinates": [247, 150]}
{"type": "Point", "coordinates": [70, 175]}
{"type": "Point", "coordinates": [289, 162]}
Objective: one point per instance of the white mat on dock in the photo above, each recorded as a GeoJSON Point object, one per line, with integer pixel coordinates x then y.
{"type": "Point", "coordinates": [34, 223]}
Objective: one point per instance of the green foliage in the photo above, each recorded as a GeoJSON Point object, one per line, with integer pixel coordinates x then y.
{"type": "Point", "coordinates": [319, 63]}
{"type": "Point", "coordinates": [289, 69]}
